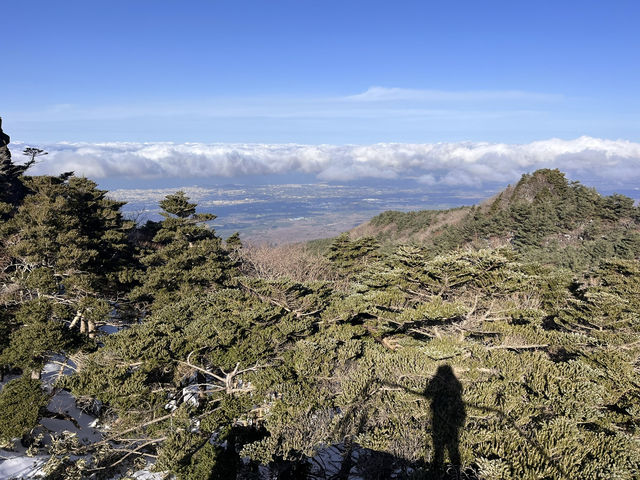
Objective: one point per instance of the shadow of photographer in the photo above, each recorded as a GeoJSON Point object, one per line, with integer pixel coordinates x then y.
{"type": "Point", "coordinates": [447, 415]}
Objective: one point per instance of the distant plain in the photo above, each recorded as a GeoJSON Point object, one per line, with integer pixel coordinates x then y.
{"type": "Point", "coordinates": [297, 212]}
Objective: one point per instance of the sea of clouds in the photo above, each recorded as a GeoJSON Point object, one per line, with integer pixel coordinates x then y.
{"type": "Point", "coordinates": [448, 164]}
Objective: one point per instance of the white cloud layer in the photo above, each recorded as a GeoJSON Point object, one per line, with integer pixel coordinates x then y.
{"type": "Point", "coordinates": [454, 164]}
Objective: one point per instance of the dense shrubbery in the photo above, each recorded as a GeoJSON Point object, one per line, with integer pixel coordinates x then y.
{"type": "Point", "coordinates": [397, 364]}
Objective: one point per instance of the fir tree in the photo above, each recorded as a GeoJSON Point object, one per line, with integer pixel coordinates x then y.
{"type": "Point", "coordinates": [185, 255]}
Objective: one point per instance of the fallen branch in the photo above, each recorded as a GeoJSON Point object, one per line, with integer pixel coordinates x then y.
{"type": "Point", "coordinates": [131, 452]}
{"type": "Point", "coordinates": [132, 429]}
{"type": "Point", "coordinates": [518, 347]}
{"type": "Point", "coordinates": [227, 378]}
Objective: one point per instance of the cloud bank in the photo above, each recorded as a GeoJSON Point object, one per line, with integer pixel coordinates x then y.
{"type": "Point", "coordinates": [448, 164]}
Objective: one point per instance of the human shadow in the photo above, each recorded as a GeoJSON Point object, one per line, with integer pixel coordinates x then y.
{"type": "Point", "coordinates": [447, 416]}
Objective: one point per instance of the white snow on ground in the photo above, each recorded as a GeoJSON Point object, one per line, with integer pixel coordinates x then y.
{"type": "Point", "coordinates": [22, 467]}
{"type": "Point", "coordinates": [144, 474]}
{"type": "Point", "coordinates": [54, 369]}
{"type": "Point", "coordinates": [17, 465]}
{"type": "Point", "coordinates": [65, 404]}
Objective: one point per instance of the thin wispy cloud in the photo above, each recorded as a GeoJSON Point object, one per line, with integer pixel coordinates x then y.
{"type": "Point", "coordinates": [465, 163]}
{"type": "Point", "coordinates": [381, 102]}
{"type": "Point", "coordinates": [385, 94]}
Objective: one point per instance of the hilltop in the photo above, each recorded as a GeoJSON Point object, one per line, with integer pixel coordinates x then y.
{"type": "Point", "coordinates": [543, 215]}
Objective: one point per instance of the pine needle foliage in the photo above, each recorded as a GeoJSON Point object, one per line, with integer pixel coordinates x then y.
{"type": "Point", "coordinates": [21, 401]}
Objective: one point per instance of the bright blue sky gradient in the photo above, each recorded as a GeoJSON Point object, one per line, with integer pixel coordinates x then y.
{"type": "Point", "coordinates": [297, 71]}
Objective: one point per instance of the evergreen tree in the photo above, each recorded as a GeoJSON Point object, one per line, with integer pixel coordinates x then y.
{"type": "Point", "coordinates": [68, 251]}
{"type": "Point", "coordinates": [178, 205]}
{"type": "Point", "coordinates": [349, 255]}
{"type": "Point", "coordinates": [185, 255]}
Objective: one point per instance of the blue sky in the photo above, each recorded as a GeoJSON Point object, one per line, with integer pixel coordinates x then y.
{"type": "Point", "coordinates": [314, 72]}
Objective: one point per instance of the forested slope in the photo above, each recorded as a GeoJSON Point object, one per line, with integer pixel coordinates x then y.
{"type": "Point", "coordinates": [416, 360]}
{"type": "Point", "coordinates": [543, 216]}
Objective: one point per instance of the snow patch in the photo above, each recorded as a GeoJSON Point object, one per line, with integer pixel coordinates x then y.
{"type": "Point", "coordinates": [21, 466]}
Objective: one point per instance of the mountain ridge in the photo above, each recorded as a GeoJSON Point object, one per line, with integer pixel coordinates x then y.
{"type": "Point", "coordinates": [543, 210]}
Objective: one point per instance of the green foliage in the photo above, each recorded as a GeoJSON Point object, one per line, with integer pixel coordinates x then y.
{"type": "Point", "coordinates": [349, 255]}
{"type": "Point", "coordinates": [405, 221]}
{"type": "Point", "coordinates": [185, 255]}
{"type": "Point", "coordinates": [178, 205]}
{"type": "Point", "coordinates": [67, 246]}
{"type": "Point", "coordinates": [542, 410]}
{"type": "Point", "coordinates": [40, 333]}
{"type": "Point", "coordinates": [434, 311]}
{"type": "Point", "coordinates": [233, 242]}
{"type": "Point", "coordinates": [144, 367]}
{"type": "Point", "coordinates": [6, 327]}
{"type": "Point", "coordinates": [70, 225]}
{"type": "Point", "coordinates": [193, 456]}
{"type": "Point", "coordinates": [20, 403]}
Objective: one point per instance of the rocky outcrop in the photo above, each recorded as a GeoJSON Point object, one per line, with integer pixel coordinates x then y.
{"type": "Point", "coordinates": [5, 154]}
{"type": "Point", "coordinates": [12, 190]}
